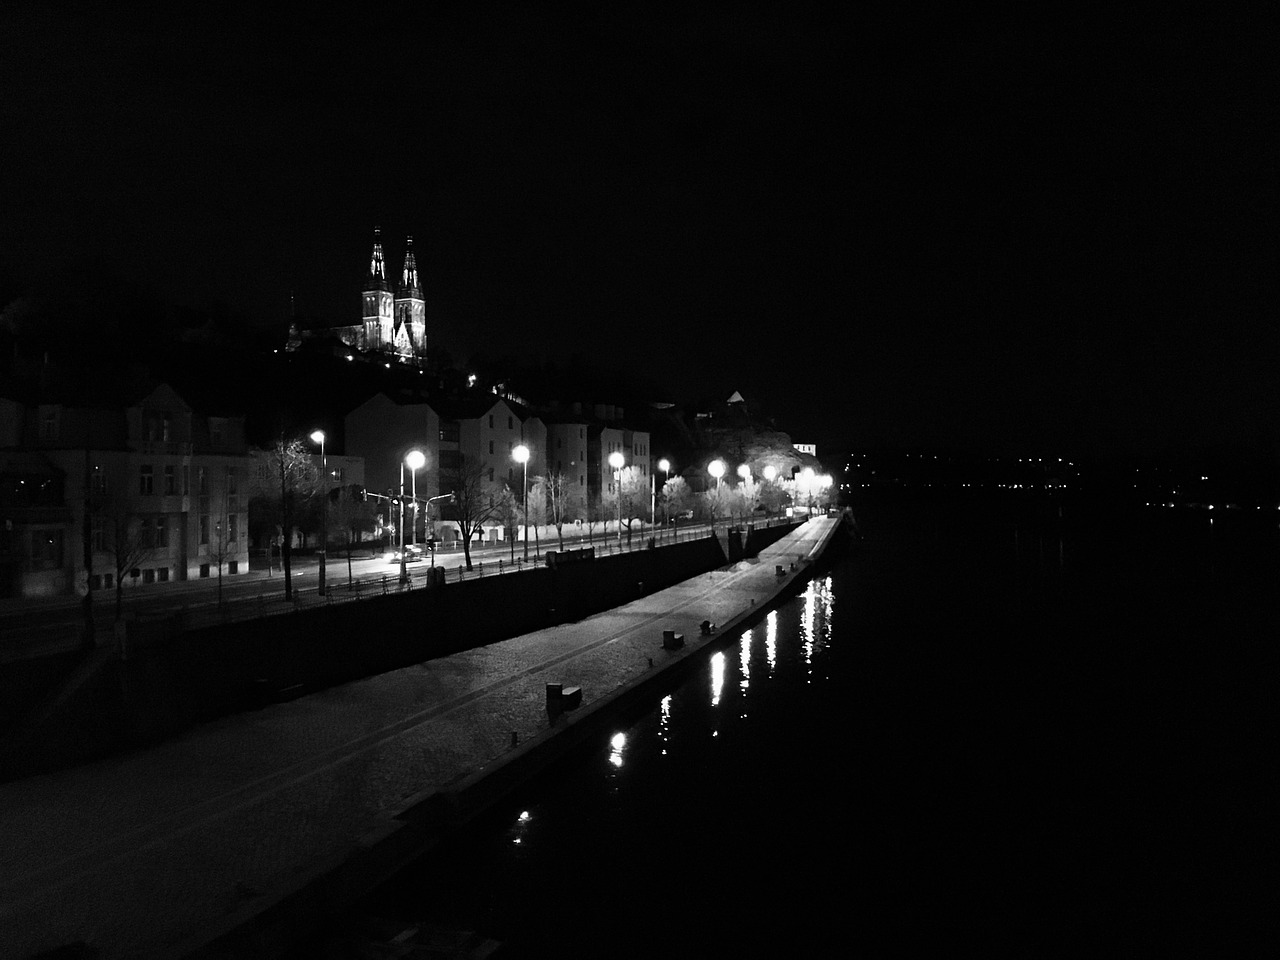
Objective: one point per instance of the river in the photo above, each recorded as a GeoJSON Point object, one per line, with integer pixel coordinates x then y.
{"type": "Point", "coordinates": [1020, 726]}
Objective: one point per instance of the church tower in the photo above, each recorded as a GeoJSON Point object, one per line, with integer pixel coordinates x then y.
{"type": "Point", "coordinates": [376, 300]}
{"type": "Point", "coordinates": [411, 309]}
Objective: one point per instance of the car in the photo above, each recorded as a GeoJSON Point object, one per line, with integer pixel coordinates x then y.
{"type": "Point", "coordinates": [412, 554]}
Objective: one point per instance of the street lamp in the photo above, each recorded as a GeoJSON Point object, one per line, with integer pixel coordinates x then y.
{"type": "Point", "coordinates": [806, 482]}
{"type": "Point", "coordinates": [770, 474]}
{"type": "Point", "coordinates": [744, 472]}
{"type": "Point", "coordinates": [617, 460]}
{"type": "Point", "coordinates": [665, 466]}
{"type": "Point", "coordinates": [417, 460]}
{"type": "Point", "coordinates": [318, 437]}
{"type": "Point", "coordinates": [716, 469]}
{"type": "Point", "coordinates": [521, 456]}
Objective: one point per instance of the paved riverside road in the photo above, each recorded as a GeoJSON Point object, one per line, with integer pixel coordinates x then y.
{"type": "Point", "coordinates": [43, 626]}
{"type": "Point", "coordinates": [144, 855]}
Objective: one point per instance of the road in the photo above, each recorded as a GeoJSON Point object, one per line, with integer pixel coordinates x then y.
{"type": "Point", "coordinates": [44, 626]}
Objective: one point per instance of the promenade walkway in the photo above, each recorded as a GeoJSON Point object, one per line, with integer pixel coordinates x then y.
{"type": "Point", "coordinates": [154, 853]}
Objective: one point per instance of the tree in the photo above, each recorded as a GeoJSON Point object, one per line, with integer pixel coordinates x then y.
{"type": "Point", "coordinates": [508, 514]}
{"type": "Point", "coordinates": [350, 517]}
{"type": "Point", "coordinates": [536, 510]}
{"type": "Point", "coordinates": [564, 502]}
{"type": "Point", "coordinates": [634, 494]}
{"type": "Point", "coordinates": [593, 512]}
{"type": "Point", "coordinates": [477, 500]}
{"type": "Point", "coordinates": [290, 480]}
{"type": "Point", "coordinates": [773, 496]}
{"type": "Point", "coordinates": [128, 542]}
{"type": "Point", "coordinates": [746, 497]}
{"type": "Point", "coordinates": [677, 498]}
{"type": "Point", "coordinates": [715, 501]}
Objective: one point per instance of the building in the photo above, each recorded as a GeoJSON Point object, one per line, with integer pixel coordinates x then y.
{"type": "Point", "coordinates": [393, 322]}
{"type": "Point", "coordinates": [482, 431]}
{"type": "Point", "coordinates": [163, 488]}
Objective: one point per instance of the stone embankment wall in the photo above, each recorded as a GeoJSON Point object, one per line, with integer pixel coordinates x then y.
{"type": "Point", "coordinates": [199, 675]}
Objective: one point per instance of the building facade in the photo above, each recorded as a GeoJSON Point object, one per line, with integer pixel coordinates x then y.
{"type": "Point", "coordinates": [158, 491]}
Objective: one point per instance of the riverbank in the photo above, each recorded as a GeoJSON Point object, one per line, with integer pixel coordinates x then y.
{"type": "Point", "coordinates": [216, 842]}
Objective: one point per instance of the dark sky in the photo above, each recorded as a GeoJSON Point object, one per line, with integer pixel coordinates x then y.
{"type": "Point", "coordinates": [1031, 233]}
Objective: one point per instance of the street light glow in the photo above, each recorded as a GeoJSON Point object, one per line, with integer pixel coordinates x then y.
{"type": "Point", "coordinates": [664, 465]}
{"type": "Point", "coordinates": [744, 471]}
{"type": "Point", "coordinates": [716, 468]}
{"type": "Point", "coordinates": [414, 459]}
{"type": "Point", "coordinates": [520, 454]}
{"type": "Point", "coordinates": [317, 436]}
{"type": "Point", "coordinates": [617, 460]}
{"type": "Point", "coordinates": [770, 473]}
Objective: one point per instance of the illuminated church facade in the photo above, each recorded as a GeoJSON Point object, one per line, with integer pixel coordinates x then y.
{"type": "Point", "coordinates": [393, 319]}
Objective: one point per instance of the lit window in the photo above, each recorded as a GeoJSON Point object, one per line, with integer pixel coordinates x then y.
{"type": "Point", "coordinates": [146, 480]}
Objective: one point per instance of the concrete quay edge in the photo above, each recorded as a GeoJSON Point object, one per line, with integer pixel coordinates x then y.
{"type": "Point", "coordinates": [280, 918]}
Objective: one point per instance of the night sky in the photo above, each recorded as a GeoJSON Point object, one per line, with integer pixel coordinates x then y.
{"type": "Point", "coordinates": [1022, 234]}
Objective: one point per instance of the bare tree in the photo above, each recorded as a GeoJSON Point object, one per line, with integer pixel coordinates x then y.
{"type": "Point", "coordinates": [593, 512]}
{"type": "Point", "coordinates": [350, 517]}
{"type": "Point", "coordinates": [634, 494]}
{"type": "Point", "coordinates": [536, 511]}
{"type": "Point", "coordinates": [676, 497]}
{"type": "Point", "coordinates": [126, 541]}
{"type": "Point", "coordinates": [477, 500]}
{"type": "Point", "coordinates": [562, 497]}
{"type": "Point", "coordinates": [291, 479]}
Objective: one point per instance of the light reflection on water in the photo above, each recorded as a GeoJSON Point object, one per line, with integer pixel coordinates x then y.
{"type": "Point", "coordinates": [717, 677]}
{"type": "Point", "coordinates": [771, 640]}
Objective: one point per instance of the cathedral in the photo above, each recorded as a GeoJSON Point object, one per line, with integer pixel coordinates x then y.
{"type": "Point", "coordinates": [392, 321]}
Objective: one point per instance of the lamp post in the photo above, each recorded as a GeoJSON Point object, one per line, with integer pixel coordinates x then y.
{"type": "Point", "coordinates": [770, 474]}
{"type": "Point", "coordinates": [521, 456]}
{"type": "Point", "coordinates": [415, 459]}
{"type": "Point", "coordinates": [318, 437]}
{"type": "Point", "coordinates": [616, 460]}
{"type": "Point", "coordinates": [665, 466]}
{"type": "Point", "coordinates": [806, 480]}
{"type": "Point", "coordinates": [744, 472]}
{"type": "Point", "coordinates": [716, 469]}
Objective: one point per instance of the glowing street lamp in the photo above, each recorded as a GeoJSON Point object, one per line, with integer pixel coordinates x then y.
{"type": "Point", "coordinates": [521, 456]}
{"type": "Point", "coordinates": [318, 437]}
{"type": "Point", "coordinates": [770, 473]}
{"type": "Point", "coordinates": [716, 469]}
{"type": "Point", "coordinates": [665, 466]}
{"type": "Point", "coordinates": [415, 459]}
{"type": "Point", "coordinates": [617, 460]}
{"type": "Point", "coordinates": [806, 483]}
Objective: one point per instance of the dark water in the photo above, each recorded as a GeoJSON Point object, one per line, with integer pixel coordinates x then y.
{"type": "Point", "coordinates": [990, 729]}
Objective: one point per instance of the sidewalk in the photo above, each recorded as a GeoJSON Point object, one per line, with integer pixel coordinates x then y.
{"type": "Point", "coordinates": [154, 853]}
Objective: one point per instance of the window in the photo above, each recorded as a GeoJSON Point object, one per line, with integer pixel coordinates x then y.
{"type": "Point", "coordinates": [186, 480]}
{"type": "Point", "coordinates": [204, 570]}
{"type": "Point", "coordinates": [202, 481]}
{"type": "Point", "coordinates": [146, 480]}
{"type": "Point", "coordinates": [49, 425]}
{"type": "Point", "coordinates": [582, 432]}
{"type": "Point", "coordinates": [559, 443]}
{"type": "Point", "coordinates": [162, 531]}
{"type": "Point", "coordinates": [95, 582]}
{"type": "Point", "coordinates": [582, 481]}
{"type": "Point", "coordinates": [233, 482]}
{"type": "Point", "coordinates": [491, 446]}
{"type": "Point", "coordinates": [233, 527]}
{"type": "Point", "coordinates": [98, 535]}
{"type": "Point", "coordinates": [233, 566]}
{"type": "Point", "coordinates": [148, 576]}
{"type": "Point", "coordinates": [511, 425]}
{"type": "Point", "coordinates": [98, 480]}
{"type": "Point", "coordinates": [491, 474]}
{"type": "Point", "coordinates": [162, 574]}
{"type": "Point", "coordinates": [170, 481]}
{"type": "Point", "coordinates": [491, 421]}
{"type": "Point", "coordinates": [146, 534]}
{"type": "Point", "coordinates": [204, 528]}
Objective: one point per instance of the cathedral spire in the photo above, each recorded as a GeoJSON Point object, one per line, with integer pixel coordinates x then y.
{"type": "Point", "coordinates": [409, 285]}
{"type": "Point", "coordinates": [377, 279]}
